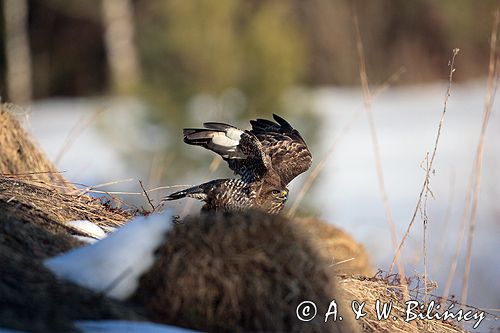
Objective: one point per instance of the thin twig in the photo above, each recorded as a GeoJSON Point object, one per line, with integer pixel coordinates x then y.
{"type": "Point", "coordinates": [341, 262]}
{"type": "Point", "coordinates": [451, 64]}
{"type": "Point", "coordinates": [478, 163]}
{"type": "Point", "coordinates": [30, 173]}
{"type": "Point", "coordinates": [425, 219]}
{"type": "Point", "coordinates": [147, 197]}
{"type": "Point", "coordinates": [167, 187]}
{"type": "Point", "coordinates": [89, 188]}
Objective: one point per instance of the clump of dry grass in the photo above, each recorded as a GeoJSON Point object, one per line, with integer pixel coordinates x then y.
{"type": "Point", "coordinates": [32, 240]}
{"type": "Point", "coordinates": [20, 155]}
{"type": "Point", "coordinates": [42, 203]}
{"type": "Point", "coordinates": [390, 289]}
{"type": "Point", "coordinates": [240, 272]}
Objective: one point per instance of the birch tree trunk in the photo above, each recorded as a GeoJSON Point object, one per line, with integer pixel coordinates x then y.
{"type": "Point", "coordinates": [17, 51]}
{"type": "Point", "coordinates": [120, 48]}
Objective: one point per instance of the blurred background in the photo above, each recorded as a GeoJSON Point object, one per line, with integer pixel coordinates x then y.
{"type": "Point", "coordinates": [106, 87]}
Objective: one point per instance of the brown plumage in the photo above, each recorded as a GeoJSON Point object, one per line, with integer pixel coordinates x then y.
{"type": "Point", "coordinates": [267, 158]}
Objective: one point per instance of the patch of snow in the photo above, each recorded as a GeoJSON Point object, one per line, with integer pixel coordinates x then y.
{"type": "Point", "coordinates": [85, 239]}
{"type": "Point", "coordinates": [89, 228]}
{"type": "Point", "coordinates": [8, 330]}
{"type": "Point", "coordinates": [113, 265]}
{"type": "Point", "coordinates": [120, 326]}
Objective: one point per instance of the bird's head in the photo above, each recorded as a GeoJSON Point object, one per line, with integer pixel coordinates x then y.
{"type": "Point", "coordinates": [273, 196]}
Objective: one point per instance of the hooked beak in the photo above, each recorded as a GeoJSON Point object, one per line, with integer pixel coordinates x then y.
{"type": "Point", "coordinates": [284, 195]}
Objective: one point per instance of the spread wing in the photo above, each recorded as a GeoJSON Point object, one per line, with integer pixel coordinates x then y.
{"type": "Point", "coordinates": [286, 148]}
{"type": "Point", "coordinates": [242, 150]}
{"type": "Point", "coordinates": [251, 154]}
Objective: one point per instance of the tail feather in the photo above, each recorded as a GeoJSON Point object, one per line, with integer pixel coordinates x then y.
{"type": "Point", "coordinates": [193, 192]}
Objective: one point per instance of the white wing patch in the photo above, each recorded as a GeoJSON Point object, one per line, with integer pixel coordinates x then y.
{"type": "Point", "coordinates": [221, 139]}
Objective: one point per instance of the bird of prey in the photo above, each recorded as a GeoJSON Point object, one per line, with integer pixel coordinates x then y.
{"type": "Point", "coordinates": [266, 158]}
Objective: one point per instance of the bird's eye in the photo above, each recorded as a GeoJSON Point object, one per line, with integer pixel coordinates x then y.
{"type": "Point", "coordinates": [275, 192]}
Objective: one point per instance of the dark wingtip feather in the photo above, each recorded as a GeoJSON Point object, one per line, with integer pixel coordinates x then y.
{"type": "Point", "coordinates": [189, 131]}
{"type": "Point", "coordinates": [285, 124]}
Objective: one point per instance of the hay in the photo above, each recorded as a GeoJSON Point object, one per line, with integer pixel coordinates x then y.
{"type": "Point", "coordinates": [32, 190]}
{"type": "Point", "coordinates": [33, 241]}
{"type": "Point", "coordinates": [32, 298]}
{"type": "Point", "coordinates": [387, 290]}
{"type": "Point", "coordinates": [43, 204]}
{"type": "Point", "coordinates": [20, 155]}
{"type": "Point", "coordinates": [239, 272]}
{"type": "Point", "coordinates": [345, 255]}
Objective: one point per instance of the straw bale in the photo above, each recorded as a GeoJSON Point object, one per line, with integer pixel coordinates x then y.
{"type": "Point", "coordinates": [345, 255]}
{"type": "Point", "coordinates": [32, 299]}
{"type": "Point", "coordinates": [240, 272]}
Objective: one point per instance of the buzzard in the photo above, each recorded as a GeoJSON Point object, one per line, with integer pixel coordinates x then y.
{"type": "Point", "coordinates": [266, 158]}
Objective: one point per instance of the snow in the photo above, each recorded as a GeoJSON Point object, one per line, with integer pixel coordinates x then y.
{"type": "Point", "coordinates": [120, 326]}
{"type": "Point", "coordinates": [113, 265]}
{"type": "Point", "coordinates": [85, 239]}
{"type": "Point", "coordinates": [89, 228]}
{"type": "Point", "coordinates": [8, 330]}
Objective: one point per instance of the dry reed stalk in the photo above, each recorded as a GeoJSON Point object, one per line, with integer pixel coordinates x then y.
{"type": "Point", "coordinates": [461, 235]}
{"type": "Point", "coordinates": [425, 185]}
{"type": "Point", "coordinates": [87, 189]}
{"type": "Point", "coordinates": [488, 107]}
{"type": "Point", "coordinates": [368, 99]}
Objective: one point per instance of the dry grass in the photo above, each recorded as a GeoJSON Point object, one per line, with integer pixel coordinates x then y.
{"type": "Point", "coordinates": [32, 189]}
{"type": "Point", "coordinates": [425, 187]}
{"type": "Point", "coordinates": [390, 289]}
{"type": "Point", "coordinates": [20, 155]}
{"type": "Point", "coordinates": [41, 202]}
